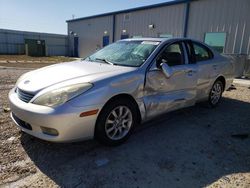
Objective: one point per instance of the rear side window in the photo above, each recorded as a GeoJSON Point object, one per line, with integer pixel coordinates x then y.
{"type": "Point", "coordinates": [201, 52]}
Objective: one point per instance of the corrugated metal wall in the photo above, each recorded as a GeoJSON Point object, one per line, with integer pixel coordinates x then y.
{"type": "Point", "coordinates": [12, 42]}
{"type": "Point", "coordinates": [90, 33]}
{"type": "Point", "coordinates": [167, 20]}
{"type": "Point", "coordinates": [230, 16]}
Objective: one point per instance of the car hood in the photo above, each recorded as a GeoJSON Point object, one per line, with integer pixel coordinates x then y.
{"type": "Point", "coordinates": [83, 71]}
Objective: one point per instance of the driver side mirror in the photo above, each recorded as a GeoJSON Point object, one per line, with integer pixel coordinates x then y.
{"type": "Point", "coordinates": [163, 66]}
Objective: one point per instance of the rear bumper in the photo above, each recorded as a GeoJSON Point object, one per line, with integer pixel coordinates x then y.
{"type": "Point", "coordinates": [65, 119]}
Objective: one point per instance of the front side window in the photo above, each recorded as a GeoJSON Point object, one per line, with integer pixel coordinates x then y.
{"type": "Point", "coordinates": [201, 52]}
{"type": "Point", "coordinates": [216, 40]}
{"type": "Point", "coordinates": [173, 55]}
{"type": "Point", "coordinates": [126, 53]}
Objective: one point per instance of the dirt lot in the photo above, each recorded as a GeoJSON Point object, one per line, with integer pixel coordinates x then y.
{"type": "Point", "coordinates": [31, 62]}
{"type": "Point", "coordinates": [193, 147]}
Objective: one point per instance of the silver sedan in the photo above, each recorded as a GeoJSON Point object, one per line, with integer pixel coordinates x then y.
{"type": "Point", "coordinates": [106, 95]}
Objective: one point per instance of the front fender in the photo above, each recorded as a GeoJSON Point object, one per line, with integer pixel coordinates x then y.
{"type": "Point", "coordinates": [104, 90]}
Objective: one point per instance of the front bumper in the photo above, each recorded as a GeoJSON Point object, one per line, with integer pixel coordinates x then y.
{"type": "Point", "coordinates": [65, 119]}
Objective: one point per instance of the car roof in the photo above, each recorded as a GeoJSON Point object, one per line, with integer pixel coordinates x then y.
{"type": "Point", "coordinates": [169, 40]}
{"type": "Point", "coordinates": [156, 39]}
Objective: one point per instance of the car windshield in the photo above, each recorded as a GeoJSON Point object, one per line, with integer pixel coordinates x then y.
{"type": "Point", "coordinates": [125, 53]}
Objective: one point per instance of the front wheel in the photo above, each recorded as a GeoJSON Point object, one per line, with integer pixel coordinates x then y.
{"type": "Point", "coordinates": [215, 93]}
{"type": "Point", "coordinates": [116, 122]}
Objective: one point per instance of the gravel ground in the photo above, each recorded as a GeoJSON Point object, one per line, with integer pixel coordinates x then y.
{"type": "Point", "coordinates": [31, 62]}
{"type": "Point", "coordinates": [25, 58]}
{"type": "Point", "coordinates": [192, 147]}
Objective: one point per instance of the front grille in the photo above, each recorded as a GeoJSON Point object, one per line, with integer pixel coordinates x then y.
{"type": "Point", "coordinates": [21, 122]}
{"type": "Point", "coordinates": [24, 96]}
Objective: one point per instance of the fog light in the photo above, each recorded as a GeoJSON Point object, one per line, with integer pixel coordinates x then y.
{"type": "Point", "coordinates": [49, 131]}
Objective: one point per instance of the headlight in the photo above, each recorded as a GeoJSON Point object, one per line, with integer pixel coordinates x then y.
{"type": "Point", "coordinates": [61, 95]}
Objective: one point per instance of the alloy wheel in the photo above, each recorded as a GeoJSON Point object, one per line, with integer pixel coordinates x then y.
{"type": "Point", "coordinates": [216, 93]}
{"type": "Point", "coordinates": [118, 123]}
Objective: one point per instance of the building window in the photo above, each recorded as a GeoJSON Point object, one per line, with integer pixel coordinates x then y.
{"type": "Point", "coordinates": [164, 35]}
{"type": "Point", "coordinates": [126, 17]}
{"type": "Point", "coordinates": [124, 36]}
{"type": "Point", "coordinates": [137, 36]}
{"type": "Point", "coordinates": [216, 40]}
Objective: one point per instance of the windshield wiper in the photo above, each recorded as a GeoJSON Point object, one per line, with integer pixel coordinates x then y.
{"type": "Point", "coordinates": [104, 60]}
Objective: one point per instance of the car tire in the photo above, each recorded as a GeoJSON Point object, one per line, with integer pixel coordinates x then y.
{"type": "Point", "coordinates": [116, 122]}
{"type": "Point", "coordinates": [215, 93]}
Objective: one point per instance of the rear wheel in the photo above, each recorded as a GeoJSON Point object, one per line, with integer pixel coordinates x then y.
{"type": "Point", "coordinates": [116, 122]}
{"type": "Point", "coordinates": [215, 93]}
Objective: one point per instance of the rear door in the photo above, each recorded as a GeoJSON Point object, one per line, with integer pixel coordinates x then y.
{"type": "Point", "coordinates": [208, 69]}
{"type": "Point", "coordinates": [164, 94]}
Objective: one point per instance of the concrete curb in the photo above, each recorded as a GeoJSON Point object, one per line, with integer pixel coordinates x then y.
{"type": "Point", "coordinates": [242, 82]}
{"type": "Point", "coordinates": [16, 68]}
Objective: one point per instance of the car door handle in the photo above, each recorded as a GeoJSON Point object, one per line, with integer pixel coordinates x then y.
{"type": "Point", "coordinates": [194, 71]}
{"type": "Point", "coordinates": [162, 83]}
{"type": "Point", "coordinates": [215, 66]}
{"type": "Point", "coordinates": [189, 72]}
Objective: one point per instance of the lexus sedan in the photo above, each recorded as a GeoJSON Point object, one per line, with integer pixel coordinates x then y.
{"type": "Point", "coordinates": [106, 95]}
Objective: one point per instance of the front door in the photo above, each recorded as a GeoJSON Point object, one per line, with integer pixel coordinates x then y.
{"type": "Point", "coordinates": [163, 94]}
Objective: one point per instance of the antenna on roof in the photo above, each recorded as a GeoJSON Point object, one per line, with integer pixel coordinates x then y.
{"type": "Point", "coordinates": [73, 16]}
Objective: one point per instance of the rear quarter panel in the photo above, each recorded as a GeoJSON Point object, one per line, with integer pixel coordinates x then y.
{"type": "Point", "coordinates": [225, 69]}
{"type": "Point", "coordinates": [209, 71]}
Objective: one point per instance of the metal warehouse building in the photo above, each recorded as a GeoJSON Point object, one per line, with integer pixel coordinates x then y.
{"type": "Point", "coordinates": [33, 43]}
{"type": "Point", "coordinates": [223, 24]}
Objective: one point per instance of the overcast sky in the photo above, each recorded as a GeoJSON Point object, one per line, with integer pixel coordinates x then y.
{"type": "Point", "coordinates": [50, 15]}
